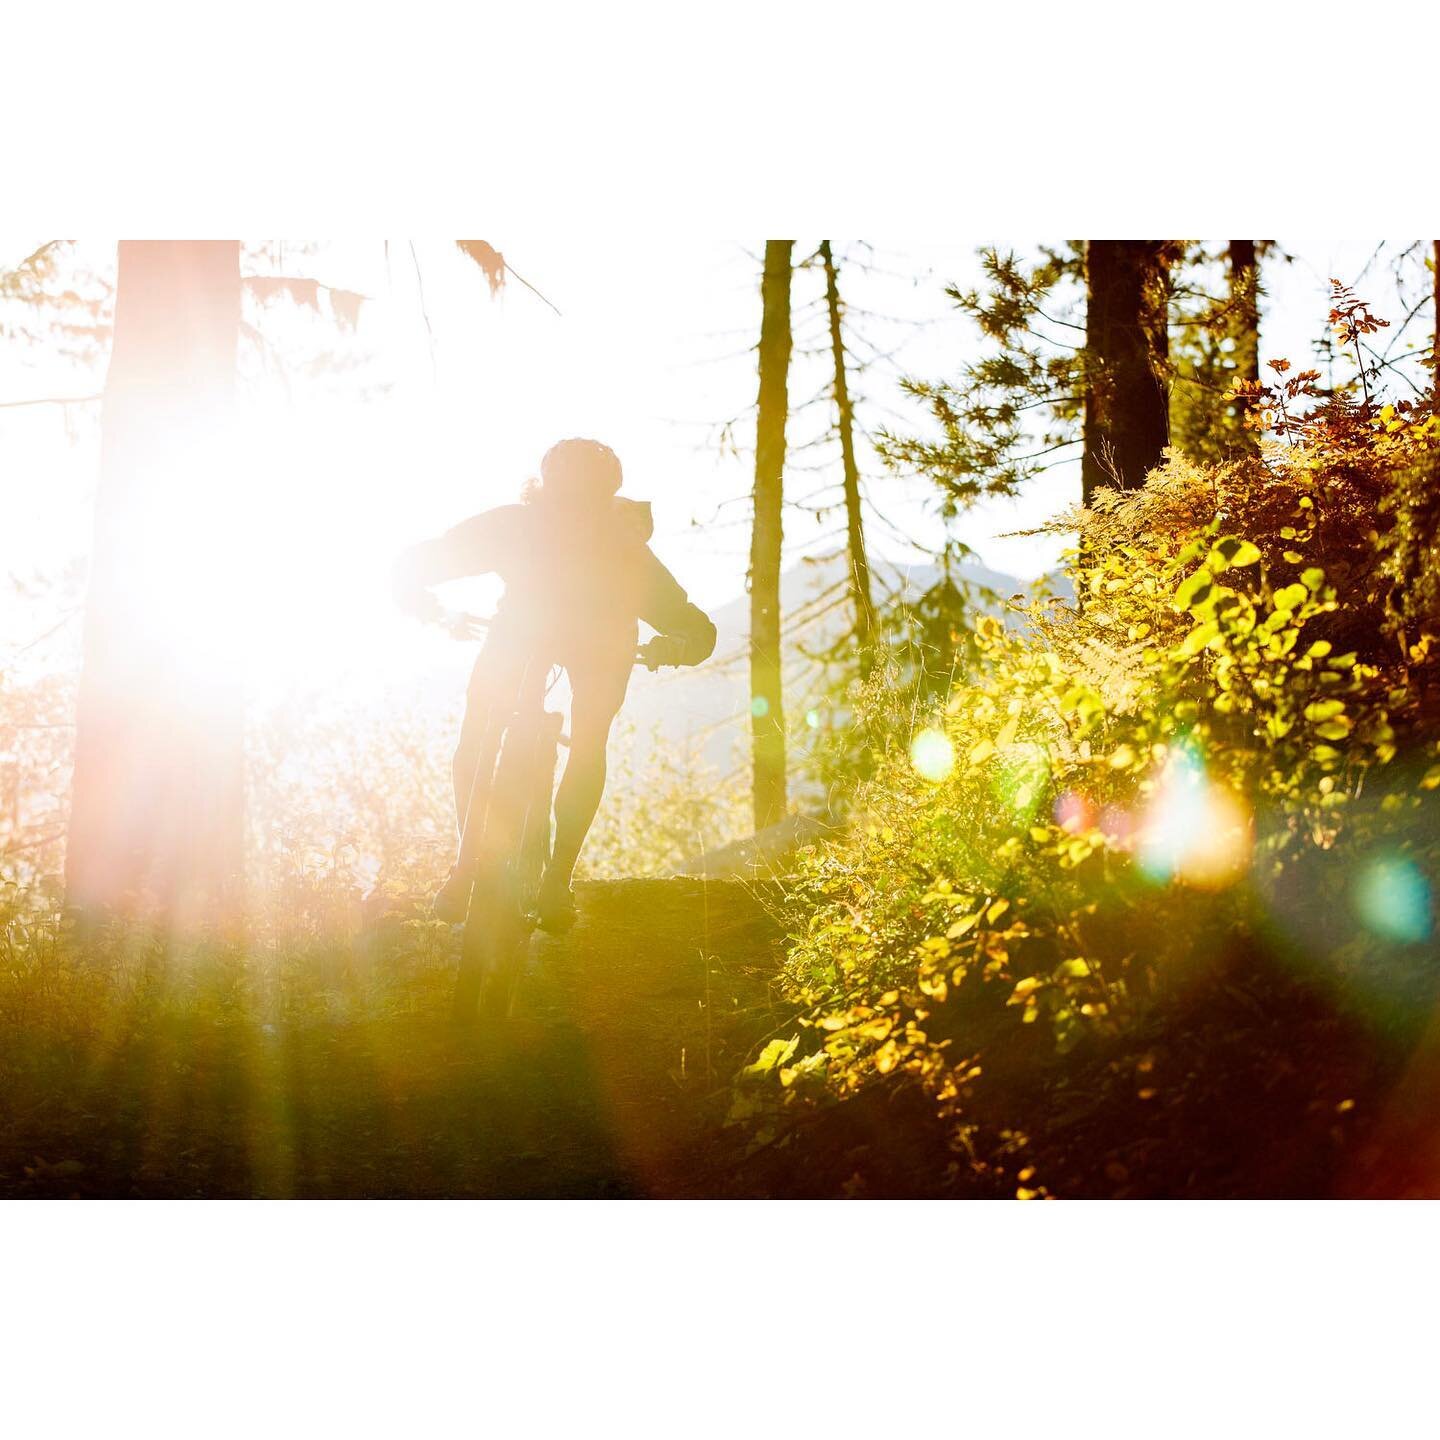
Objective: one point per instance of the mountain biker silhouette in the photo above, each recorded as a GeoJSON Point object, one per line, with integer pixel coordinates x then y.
{"type": "Point", "coordinates": [578, 573]}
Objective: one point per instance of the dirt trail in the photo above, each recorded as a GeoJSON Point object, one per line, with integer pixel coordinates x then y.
{"type": "Point", "coordinates": [627, 1032]}
{"type": "Point", "coordinates": [610, 1079]}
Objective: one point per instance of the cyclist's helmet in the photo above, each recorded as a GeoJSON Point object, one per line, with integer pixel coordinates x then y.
{"type": "Point", "coordinates": [583, 470]}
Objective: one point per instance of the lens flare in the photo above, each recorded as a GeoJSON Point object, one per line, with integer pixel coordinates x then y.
{"type": "Point", "coordinates": [932, 755]}
{"type": "Point", "coordinates": [1074, 812]}
{"type": "Point", "coordinates": [1193, 830]}
{"type": "Point", "coordinates": [1392, 899]}
{"type": "Point", "coordinates": [759, 707]}
{"type": "Point", "coordinates": [1118, 826]}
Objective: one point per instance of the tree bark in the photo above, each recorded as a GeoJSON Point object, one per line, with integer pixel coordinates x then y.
{"type": "Point", "coordinates": [157, 800]}
{"type": "Point", "coordinates": [1127, 411]}
{"type": "Point", "coordinates": [767, 712]}
{"type": "Point", "coordinates": [859, 566]}
{"type": "Point", "coordinates": [1245, 324]}
{"type": "Point", "coordinates": [1435, 340]}
{"type": "Point", "coordinates": [1245, 292]}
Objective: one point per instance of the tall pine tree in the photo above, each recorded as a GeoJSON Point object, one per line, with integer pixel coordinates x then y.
{"type": "Point", "coordinates": [767, 709]}
{"type": "Point", "coordinates": [1078, 360]}
{"type": "Point", "coordinates": [858, 566]}
{"type": "Point", "coordinates": [1127, 403]}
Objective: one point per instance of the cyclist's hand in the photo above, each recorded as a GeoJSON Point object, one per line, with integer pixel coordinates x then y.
{"type": "Point", "coordinates": [661, 650]}
{"type": "Point", "coordinates": [461, 626]}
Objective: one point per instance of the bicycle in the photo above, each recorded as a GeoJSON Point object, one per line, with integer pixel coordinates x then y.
{"type": "Point", "coordinates": [506, 836]}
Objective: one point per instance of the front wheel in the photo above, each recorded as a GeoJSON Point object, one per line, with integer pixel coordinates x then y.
{"type": "Point", "coordinates": [515, 850]}
{"type": "Point", "coordinates": [492, 953]}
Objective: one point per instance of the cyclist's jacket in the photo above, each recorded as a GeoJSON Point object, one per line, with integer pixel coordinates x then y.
{"type": "Point", "coordinates": [587, 575]}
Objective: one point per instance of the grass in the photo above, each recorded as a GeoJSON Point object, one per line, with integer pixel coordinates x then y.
{"type": "Point", "coordinates": [325, 1066]}
{"type": "Point", "coordinates": [321, 1064]}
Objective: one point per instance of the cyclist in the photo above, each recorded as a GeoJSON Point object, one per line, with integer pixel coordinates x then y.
{"type": "Point", "coordinates": [578, 573]}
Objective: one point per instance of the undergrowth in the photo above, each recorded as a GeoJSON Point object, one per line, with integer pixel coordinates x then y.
{"type": "Point", "coordinates": [1213, 774]}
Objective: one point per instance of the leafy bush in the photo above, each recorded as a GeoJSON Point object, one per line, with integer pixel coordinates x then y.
{"type": "Point", "coordinates": [1219, 737]}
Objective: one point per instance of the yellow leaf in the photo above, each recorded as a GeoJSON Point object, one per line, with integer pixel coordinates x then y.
{"type": "Point", "coordinates": [1233, 552]}
{"type": "Point", "coordinates": [1193, 590]}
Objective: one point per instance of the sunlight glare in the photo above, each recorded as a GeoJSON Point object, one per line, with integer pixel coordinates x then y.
{"type": "Point", "coordinates": [932, 755]}
{"type": "Point", "coordinates": [1193, 830]}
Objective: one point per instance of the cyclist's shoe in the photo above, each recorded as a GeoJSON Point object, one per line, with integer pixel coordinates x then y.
{"type": "Point", "coordinates": [555, 908]}
{"type": "Point", "coordinates": [452, 900]}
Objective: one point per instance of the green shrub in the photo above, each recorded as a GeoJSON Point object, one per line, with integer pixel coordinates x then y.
{"type": "Point", "coordinates": [1116, 789]}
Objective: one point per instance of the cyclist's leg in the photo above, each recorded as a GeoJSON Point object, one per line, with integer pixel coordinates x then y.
{"type": "Point", "coordinates": [597, 692]}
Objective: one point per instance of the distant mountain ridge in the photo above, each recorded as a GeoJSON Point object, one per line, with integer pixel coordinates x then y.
{"type": "Point", "coordinates": [708, 708]}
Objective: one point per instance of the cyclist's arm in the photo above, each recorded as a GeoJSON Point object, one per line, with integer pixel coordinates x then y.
{"type": "Point", "coordinates": [686, 628]}
{"type": "Point", "coordinates": [474, 547]}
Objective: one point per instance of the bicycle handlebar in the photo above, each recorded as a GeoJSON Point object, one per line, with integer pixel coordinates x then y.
{"type": "Point", "coordinates": [660, 650]}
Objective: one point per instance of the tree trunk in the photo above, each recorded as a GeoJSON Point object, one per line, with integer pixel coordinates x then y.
{"type": "Point", "coordinates": [1435, 341]}
{"type": "Point", "coordinates": [1245, 292]}
{"type": "Point", "coordinates": [156, 807]}
{"type": "Point", "coordinates": [1245, 324]}
{"type": "Point", "coordinates": [1127, 419]}
{"type": "Point", "coordinates": [767, 711]}
{"type": "Point", "coordinates": [854, 528]}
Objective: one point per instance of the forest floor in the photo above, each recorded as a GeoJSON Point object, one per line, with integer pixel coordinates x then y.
{"type": "Point", "coordinates": [342, 1077]}
{"type": "Point", "coordinates": [607, 1081]}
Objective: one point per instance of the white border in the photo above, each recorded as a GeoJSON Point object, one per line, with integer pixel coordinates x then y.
{"type": "Point", "coordinates": [904, 119]}
{"type": "Point", "coordinates": [243, 1320]}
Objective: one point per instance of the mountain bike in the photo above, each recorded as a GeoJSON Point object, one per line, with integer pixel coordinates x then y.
{"type": "Point", "coordinates": [506, 836]}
